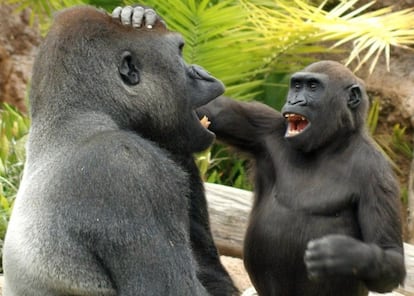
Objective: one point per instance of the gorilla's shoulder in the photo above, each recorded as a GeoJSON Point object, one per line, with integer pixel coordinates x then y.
{"type": "Point", "coordinates": [121, 146]}
{"type": "Point", "coordinates": [116, 154]}
{"type": "Point", "coordinates": [120, 159]}
{"type": "Point", "coordinates": [369, 162]}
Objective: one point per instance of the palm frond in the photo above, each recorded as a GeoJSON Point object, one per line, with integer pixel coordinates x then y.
{"type": "Point", "coordinates": [217, 37]}
{"type": "Point", "coordinates": [372, 33]}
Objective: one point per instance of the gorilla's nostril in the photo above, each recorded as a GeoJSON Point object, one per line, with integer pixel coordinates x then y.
{"type": "Point", "coordinates": [198, 72]}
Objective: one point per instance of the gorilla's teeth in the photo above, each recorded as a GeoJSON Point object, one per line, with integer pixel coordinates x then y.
{"type": "Point", "coordinates": [291, 133]}
{"type": "Point", "coordinates": [294, 116]}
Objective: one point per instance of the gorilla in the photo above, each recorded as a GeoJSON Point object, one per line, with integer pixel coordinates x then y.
{"type": "Point", "coordinates": [103, 206]}
{"type": "Point", "coordinates": [325, 219]}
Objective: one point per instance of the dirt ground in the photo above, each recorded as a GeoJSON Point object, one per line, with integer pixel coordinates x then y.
{"type": "Point", "coordinates": [237, 272]}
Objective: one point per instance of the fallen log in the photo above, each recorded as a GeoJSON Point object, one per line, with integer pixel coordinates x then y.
{"type": "Point", "coordinates": [229, 210]}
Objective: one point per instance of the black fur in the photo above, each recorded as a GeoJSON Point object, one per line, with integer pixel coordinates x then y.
{"type": "Point", "coordinates": [210, 271]}
{"type": "Point", "coordinates": [325, 219]}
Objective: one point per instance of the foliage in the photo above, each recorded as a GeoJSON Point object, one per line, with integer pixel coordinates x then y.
{"type": "Point", "coordinates": [288, 27]}
{"type": "Point", "coordinates": [373, 115]}
{"type": "Point", "coordinates": [218, 38]}
{"type": "Point", "coordinates": [220, 165]}
{"type": "Point", "coordinates": [13, 130]}
{"type": "Point", "coordinates": [400, 143]}
{"type": "Point", "coordinates": [394, 145]}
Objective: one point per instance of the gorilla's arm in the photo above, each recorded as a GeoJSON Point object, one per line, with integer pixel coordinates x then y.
{"type": "Point", "coordinates": [381, 269]}
{"type": "Point", "coordinates": [144, 239]}
{"type": "Point", "coordinates": [377, 260]}
{"type": "Point", "coordinates": [380, 221]}
{"type": "Point", "coordinates": [243, 125]}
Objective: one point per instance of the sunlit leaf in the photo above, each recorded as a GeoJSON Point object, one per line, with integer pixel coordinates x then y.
{"type": "Point", "coordinates": [374, 31]}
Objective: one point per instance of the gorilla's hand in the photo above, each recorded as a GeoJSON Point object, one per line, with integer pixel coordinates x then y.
{"type": "Point", "coordinates": [337, 255]}
{"type": "Point", "coordinates": [138, 16]}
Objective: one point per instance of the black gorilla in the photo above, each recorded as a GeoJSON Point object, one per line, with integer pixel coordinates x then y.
{"type": "Point", "coordinates": [325, 219]}
{"type": "Point", "coordinates": [210, 271]}
{"type": "Point", "coordinates": [103, 205]}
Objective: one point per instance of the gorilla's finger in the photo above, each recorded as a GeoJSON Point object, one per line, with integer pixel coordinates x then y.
{"type": "Point", "coordinates": [116, 13]}
{"type": "Point", "coordinates": [150, 18]}
{"type": "Point", "coordinates": [312, 255]}
{"type": "Point", "coordinates": [137, 16]}
{"type": "Point", "coordinates": [126, 15]}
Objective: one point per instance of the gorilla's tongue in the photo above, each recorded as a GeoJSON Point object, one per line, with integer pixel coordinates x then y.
{"type": "Point", "coordinates": [296, 124]}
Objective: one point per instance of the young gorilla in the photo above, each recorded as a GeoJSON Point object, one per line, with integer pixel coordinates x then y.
{"type": "Point", "coordinates": [210, 271]}
{"type": "Point", "coordinates": [103, 204]}
{"type": "Point", "coordinates": [325, 219]}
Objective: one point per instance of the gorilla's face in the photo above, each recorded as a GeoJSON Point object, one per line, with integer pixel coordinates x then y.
{"type": "Point", "coordinates": [303, 109]}
{"type": "Point", "coordinates": [322, 103]}
{"type": "Point", "coordinates": [166, 91]}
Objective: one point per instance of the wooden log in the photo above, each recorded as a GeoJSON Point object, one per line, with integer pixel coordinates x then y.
{"type": "Point", "coordinates": [229, 210]}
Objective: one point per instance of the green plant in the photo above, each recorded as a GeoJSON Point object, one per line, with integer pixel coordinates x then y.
{"type": "Point", "coordinates": [218, 38]}
{"type": "Point", "coordinates": [290, 27]}
{"type": "Point", "coordinates": [394, 145]}
{"type": "Point", "coordinates": [13, 130]}
{"type": "Point", "coordinates": [220, 165]}
{"type": "Point", "coordinates": [373, 115]}
{"type": "Point", "coordinates": [400, 142]}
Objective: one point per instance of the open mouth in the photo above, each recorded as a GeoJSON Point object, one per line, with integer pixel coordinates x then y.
{"type": "Point", "coordinates": [296, 124]}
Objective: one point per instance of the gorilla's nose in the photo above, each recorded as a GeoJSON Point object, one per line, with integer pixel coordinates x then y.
{"type": "Point", "coordinates": [198, 72]}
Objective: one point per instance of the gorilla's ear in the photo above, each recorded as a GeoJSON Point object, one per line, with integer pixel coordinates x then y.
{"type": "Point", "coordinates": [355, 96]}
{"type": "Point", "coordinates": [129, 68]}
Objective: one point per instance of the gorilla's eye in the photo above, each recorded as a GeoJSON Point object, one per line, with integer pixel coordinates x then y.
{"type": "Point", "coordinates": [313, 84]}
{"type": "Point", "coordinates": [297, 85]}
{"type": "Point", "coordinates": [181, 47]}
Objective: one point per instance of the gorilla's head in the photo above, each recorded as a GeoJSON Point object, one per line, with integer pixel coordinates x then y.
{"type": "Point", "coordinates": [137, 77]}
{"type": "Point", "coordinates": [325, 102]}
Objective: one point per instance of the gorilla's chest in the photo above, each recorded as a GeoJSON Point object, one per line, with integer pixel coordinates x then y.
{"type": "Point", "coordinates": [313, 193]}
{"type": "Point", "coordinates": [301, 207]}
{"type": "Point", "coordinates": [306, 201]}
{"type": "Point", "coordinates": [314, 187]}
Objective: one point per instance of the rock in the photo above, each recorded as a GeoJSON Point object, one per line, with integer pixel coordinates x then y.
{"type": "Point", "coordinates": [18, 45]}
